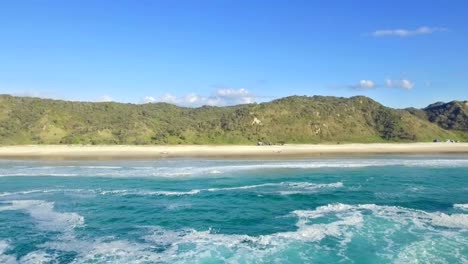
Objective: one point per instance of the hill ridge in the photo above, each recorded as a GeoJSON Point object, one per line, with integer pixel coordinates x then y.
{"type": "Point", "coordinates": [293, 119]}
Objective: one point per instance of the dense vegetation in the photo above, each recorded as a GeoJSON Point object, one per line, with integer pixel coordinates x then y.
{"type": "Point", "coordinates": [452, 115]}
{"type": "Point", "coordinates": [293, 119]}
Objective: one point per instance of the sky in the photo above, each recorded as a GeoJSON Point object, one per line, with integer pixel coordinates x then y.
{"type": "Point", "coordinates": [224, 52]}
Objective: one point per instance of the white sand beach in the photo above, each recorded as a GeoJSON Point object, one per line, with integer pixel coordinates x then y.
{"type": "Point", "coordinates": [220, 151]}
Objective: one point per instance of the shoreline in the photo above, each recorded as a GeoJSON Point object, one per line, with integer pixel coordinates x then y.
{"type": "Point", "coordinates": [103, 152]}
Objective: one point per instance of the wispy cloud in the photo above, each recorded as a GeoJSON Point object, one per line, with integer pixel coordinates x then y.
{"type": "Point", "coordinates": [241, 95]}
{"type": "Point", "coordinates": [36, 93]}
{"type": "Point", "coordinates": [148, 99]}
{"type": "Point", "coordinates": [366, 84]}
{"type": "Point", "coordinates": [407, 32]}
{"type": "Point", "coordinates": [220, 97]}
{"type": "Point", "coordinates": [402, 84]}
{"type": "Point", "coordinates": [363, 85]}
{"type": "Point", "coordinates": [105, 98]}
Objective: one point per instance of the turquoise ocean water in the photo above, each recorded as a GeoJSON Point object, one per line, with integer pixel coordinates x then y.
{"type": "Point", "coordinates": [385, 209]}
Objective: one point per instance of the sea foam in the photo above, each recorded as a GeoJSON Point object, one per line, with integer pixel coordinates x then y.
{"type": "Point", "coordinates": [399, 214]}
{"type": "Point", "coordinates": [283, 188]}
{"type": "Point", "coordinates": [215, 168]}
{"type": "Point", "coordinates": [349, 219]}
{"type": "Point", "coordinates": [338, 221]}
{"type": "Point", "coordinates": [463, 207]}
{"type": "Point", "coordinates": [43, 213]}
{"type": "Point", "coordinates": [5, 258]}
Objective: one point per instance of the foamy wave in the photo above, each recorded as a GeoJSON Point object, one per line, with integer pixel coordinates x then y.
{"type": "Point", "coordinates": [348, 163]}
{"type": "Point", "coordinates": [463, 207]}
{"type": "Point", "coordinates": [213, 168]}
{"type": "Point", "coordinates": [399, 214]}
{"type": "Point", "coordinates": [35, 174]}
{"type": "Point", "coordinates": [44, 214]}
{"type": "Point", "coordinates": [37, 257]}
{"type": "Point", "coordinates": [3, 246]}
{"type": "Point", "coordinates": [305, 187]}
{"type": "Point", "coordinates": [123, 192]}
{"type": "Point", "coordinates": [283, 188]}
{"type": "Point", "coordinates": [453, 221]}
{"type": "Point", "coordinates": [434, 250]}
{"type": "Point", "coordinates": [338, 221]}
{"type": "Point", "coordinates": [19, 193]}
{"type": "Point", "coordinates": [46, 191]}
{"type": "Point", "coordinates": [99, 167]}
{"type": "Point", "coordinates": [191, 246]}
{"type": "Point", "coordinates": [150, 193]}
{"type": "Point", "coordinates": [348, 218]}
{"type": "Point", "coordinates": [295, 187]}
{"type": "Point", "coordinates": [120, 251]}
{"type": "Point", "coordinates": [4, 258]}
{"type": "Point", "coordinates": [312, 226]}
{"type": "Point", "coordinates": [246, 187]}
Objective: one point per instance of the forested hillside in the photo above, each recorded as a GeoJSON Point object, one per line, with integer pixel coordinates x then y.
{"type": "Point", "coordinates": [295, 119]}
{"type": "Point", "coordinates": [452, 115]}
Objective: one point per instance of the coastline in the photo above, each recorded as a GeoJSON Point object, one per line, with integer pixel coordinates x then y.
{"type": "Point", "coordinates": [221, 151]}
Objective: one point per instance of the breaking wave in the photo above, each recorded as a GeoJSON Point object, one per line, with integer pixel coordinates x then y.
{"type": "Point", "coordinates": [463, 207]}
{"type": "Point", "coordinates": [340, 222]}
{"type": "Point", "coordinates": [194, 168]}
{"type": "Point", "coordinates": [45, 216]}
{"type": "Point", "coordinates": [283, 188]}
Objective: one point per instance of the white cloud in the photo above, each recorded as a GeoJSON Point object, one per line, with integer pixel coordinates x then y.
{"type": "Point", "coordinates": [220, 97]}
{"type": "Point", "coordinates": [366, 84]}
{"type": "Point", "coordinates": [38, 94]}
{"type": "Point", "coordinates": [56, 96]}
{"type": "Point", "coordinates": [189, 99]}
{"type": "Point", "coordinates": [407, 32]}
{"type": "Point", "coordinates": [148, 99]}
{"type": "Point", "coordinates": [390, 83]}
{"type": "Point", "coordinates": [30, 94]}
{"type": "Point", "coordinates": [403, 84]}
{"type": "Point", "coordinates": [105, 98]}
{"type": "Point", "coordinates": [363, 85]}
{"type": "Point", "coordinates": [168, 98]}
{"type": "Point", "coordinates": [248, 100]}
{"type": "Point", "coordinates": [232, 93]}
{"type": "Point", "coordinates": [233, 96]}
{"type": "Point", "coordinates": [192, 98]}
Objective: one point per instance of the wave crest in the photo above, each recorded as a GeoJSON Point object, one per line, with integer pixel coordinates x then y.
{"type": "Point", "coordinates": [338, 221]}
{"type": "Point", "coordinates": [214, 168]}
{"type": "Point", "coordinates": [463, 207]}
{"type": "Point", "coordinates": [45, 215]}
{"type": "Point", "coordinates": [283, 188]}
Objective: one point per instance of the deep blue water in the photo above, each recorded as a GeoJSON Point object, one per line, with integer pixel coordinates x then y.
{"type": "Point", "coordinates": [389, 209]}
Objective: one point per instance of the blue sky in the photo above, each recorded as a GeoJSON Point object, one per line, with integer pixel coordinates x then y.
{"type": "Point", "coordinates": [401, 53]}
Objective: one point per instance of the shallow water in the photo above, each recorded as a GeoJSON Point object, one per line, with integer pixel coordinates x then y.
{"type": "Point", "coordinates": [390, 209]}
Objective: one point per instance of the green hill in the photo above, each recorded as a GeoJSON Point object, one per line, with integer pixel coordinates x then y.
{"type": "Point", "coordinates": [452, 115]}
{"type": "Point", "coordinates": [295, 119]}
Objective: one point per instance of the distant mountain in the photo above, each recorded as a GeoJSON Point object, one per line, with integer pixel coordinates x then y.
{"type": "Point", "coordinates": [295, 119]}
